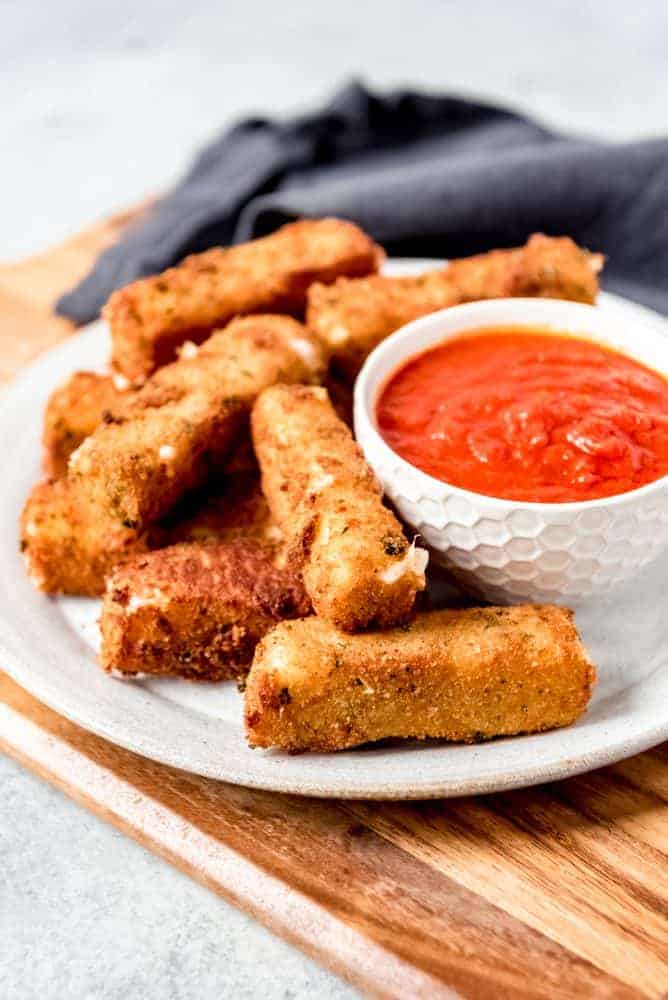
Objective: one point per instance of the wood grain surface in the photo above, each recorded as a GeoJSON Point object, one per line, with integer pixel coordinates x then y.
{"type": "Point", "coordinates": [559, 891]}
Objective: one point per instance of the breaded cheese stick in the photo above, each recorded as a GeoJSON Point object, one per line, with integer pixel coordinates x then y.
{"type": "Point", "coordinates": [73, 412]}
{"type": "Point", "coordinates": [358, 568]}
{"type": "Point", "coordinates": [78, 407]}
{"type": "Point", "coordinates": [185, 420]}
{"type": "Point", "coordinates": [195, 610]}
{"type": "Point", "coordinates": [68, 548]}
{"type": "Point", "coordinates": [352, 316]}
{"type": "Point", "coordinates": [549, 267]}
{"type": "Point", "coordinates": [151, 317]}
{"type": "Point", "coordinates": [454, 675]}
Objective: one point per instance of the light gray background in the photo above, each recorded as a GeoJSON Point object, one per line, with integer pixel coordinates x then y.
{"type": "Point", "coordinates": [104, 102]}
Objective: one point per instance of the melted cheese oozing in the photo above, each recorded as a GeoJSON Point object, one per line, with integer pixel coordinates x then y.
{"type": "Point", "coordinates": [306, 351]}
{"type": "Point", "coordinates": [153, 599]}
{"type": "Point", "coordinates": [338, 335]}
{"type": "Point", "coordinates": [415, 561]}
{"type": "Point", "coordinates": [319, 479]}
{"type": "Point", "coordinates": [79, 460]}
{"type": "Point", "coordinates": [188, 350]}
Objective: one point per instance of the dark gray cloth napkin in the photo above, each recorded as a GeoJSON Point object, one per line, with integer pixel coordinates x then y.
{"type": "Point", "coordinates": [424, 175]}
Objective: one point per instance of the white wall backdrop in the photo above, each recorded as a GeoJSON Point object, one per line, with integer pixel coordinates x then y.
{"type": "Point", "coordinates": [106, 100]}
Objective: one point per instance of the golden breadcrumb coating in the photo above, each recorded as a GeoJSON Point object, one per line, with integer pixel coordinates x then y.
{"type": "Point", "coordinates": [465, 675]}
{"type": "Point", "coordinates": [358, 568]}
{"type": "Point", "coordinates": [78, 407]}
{"type": "Point", "coordinates": [73, 412]}
{"type": "Point", "coordinates": [68, 548]}
{"type": "Point", "coordinates": [68, 551]}
{"type": "Point", "coordinates": [185, 420]}
{"type": "Point", "coordinates": [352, 316]}
{"type": "Point", "coordinates": [150, 318]}
{"type": "Point", "coordinates": [195, 610]}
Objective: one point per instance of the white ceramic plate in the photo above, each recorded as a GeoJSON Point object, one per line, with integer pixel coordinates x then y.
{"type": "Point", "coordinates": [48, 646]}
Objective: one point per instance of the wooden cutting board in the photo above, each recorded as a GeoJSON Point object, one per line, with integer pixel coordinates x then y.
{"type": "Point", "coordinates": [559, 891]}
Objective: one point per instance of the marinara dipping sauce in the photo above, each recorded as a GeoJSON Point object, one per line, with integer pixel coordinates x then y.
{"type": "Point", "coordinates": [523, 413]}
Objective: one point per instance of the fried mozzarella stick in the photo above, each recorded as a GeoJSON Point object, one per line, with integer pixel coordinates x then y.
{"type": "Point", "coordinates": [151, 317]}
{"type": "Point", "coordinates": [195, 610]}
{"type": "Point", "coordinates": [73, 412]}
{"type": "Point", "coordinates": [186, 418]}
{"type": "Point", "coordinates": [357, 566]}
{"type": "Point", "coordinates": [454, 675]}
{"type": "Point", "coordinates": [68, 548]}
{"type": "Point", "coordinates": [78, 407]}
{"type": "Point", "coordinates": [353, 316]}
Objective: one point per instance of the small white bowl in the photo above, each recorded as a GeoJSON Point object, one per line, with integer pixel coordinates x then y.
{"type": "Point", "coordinates": [505, 550]}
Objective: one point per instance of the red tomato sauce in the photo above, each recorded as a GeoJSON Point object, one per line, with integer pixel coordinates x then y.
{"type": "Point", "coordinates": [526, 414]}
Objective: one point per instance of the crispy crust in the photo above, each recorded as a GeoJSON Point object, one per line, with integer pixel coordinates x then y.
{"type": "Point", "coordinates": [352, 316]}
{"type": "Point", "coordinates": [72, 413]}
{"type": "Point", "coordinates": [456, 675]}
{"type": "Point", "coordinates": [187, 417]}
{"type": "Point", "coordinates": [545, 267]}
{"type": "Point", "coordinates": [67, 549]}
{"type": "Point", "coordinates": [357, 565]}
{"type": "Point", "coordinates": [78, 407]}
{"type": "Point", "coordinates": [194, 610]}
{"type": "Point", "coordinates": [150, 318]}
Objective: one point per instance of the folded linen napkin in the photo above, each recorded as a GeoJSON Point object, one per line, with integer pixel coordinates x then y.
{"type": "Point", "coordinates": [425, 175]}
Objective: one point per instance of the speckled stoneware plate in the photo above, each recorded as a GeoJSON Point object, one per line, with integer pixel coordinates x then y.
{"type": "Point", "coordinates": [48, 646]}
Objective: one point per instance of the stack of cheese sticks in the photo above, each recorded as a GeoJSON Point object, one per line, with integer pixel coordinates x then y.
{"type": "Point", "coordinates": [210, 489]}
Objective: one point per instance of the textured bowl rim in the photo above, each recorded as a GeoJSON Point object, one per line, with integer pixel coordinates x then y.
{"type": "Point", "coordinates": [366, 393]}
